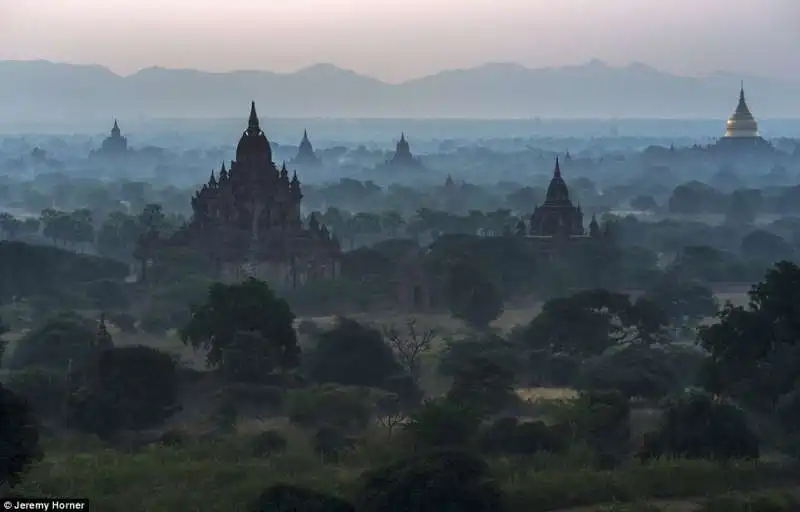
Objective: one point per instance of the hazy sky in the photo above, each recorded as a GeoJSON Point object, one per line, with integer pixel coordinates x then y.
{"type": "Point", "coordinates": [400, 39]}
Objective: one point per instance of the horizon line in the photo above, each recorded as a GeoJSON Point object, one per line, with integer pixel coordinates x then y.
{"type": "Point", "coordinates": [590, 62]}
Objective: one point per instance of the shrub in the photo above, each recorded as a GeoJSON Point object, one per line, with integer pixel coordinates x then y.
{"type": "Point", "coordinates": [174, 438]}
{"type": "Point", "coordinates": [352, 354]}
{"type": "Point", "coordinates": [439, 481]}
{"type": "Point", "coordinates": [634, 371]}
{"type": "Point", "coordinates": [509, 436]}
{"type": "Point", "coordinates": [45, 390]}
{"type": "Point", "coordinates": [329, 404]}
{"type": "Point", "coordinates": [64, 341]}
{"type": "Point", "coordinates": [696, 426]}
{"type": "Point", "coordinates": [267, 443]}
{"type": "Point", "coordinates": [330, 442]}
{"type": "Point", "coordinates": [107, 294]}
{"type": "Point", "coordinates": [125, 388]}
{"type": "Point", "coordinates": [602, 420]}
{"type": "Point", "coordinates": [442, 423]}
{"type": "Point", "coordinates": [19, 436]}
{"type": "Point", "coordinates": [288, 498]}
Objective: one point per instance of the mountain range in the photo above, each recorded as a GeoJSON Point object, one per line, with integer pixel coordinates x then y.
{"type": "Point", "coordinates": [42, 91]}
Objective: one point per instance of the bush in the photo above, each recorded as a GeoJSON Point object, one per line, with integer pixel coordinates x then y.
{"type": "Point", "coordinates": [45, 390]}
{"type": "Point", "coordinates": [330, 442]}
{"type": "Point", "coordinates": [352, 354]}
{"type": "Point", "coordinates": [19, 436]}
{"type": "Point", "coordinates": [268, 443]}
{"type": "Point", "coordinates": [441, 423]}
{"type": "Point", "coordinates": [174, 438]}
{"type": "Point", "coordinates": [64, 341]}
{"type": "Point", "coordinates": [288, 498]}
{"type": "Point", "coordinates": [696, 426]}
{"type": "Point", "coordinates": [602, 420]}
{"type": "Point", "coordinates": [125, 388]}
{"type": "Point", "coordinates": [439, 481]}
{"type": "Point", "coordinates": [641, 372]}
{"type": "Point", "coordinates": [107, 294]}
{"type": "Point", "coordinates": [343, 407]}
{"type": "Point", "coordinates": [509, 436]}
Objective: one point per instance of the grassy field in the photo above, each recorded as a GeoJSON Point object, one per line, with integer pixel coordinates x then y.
{"type": "Point", "coordinates": [223, 475]}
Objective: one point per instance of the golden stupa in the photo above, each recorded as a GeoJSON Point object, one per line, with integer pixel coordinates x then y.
{"type": "Point", "coordinates": [741, 124]}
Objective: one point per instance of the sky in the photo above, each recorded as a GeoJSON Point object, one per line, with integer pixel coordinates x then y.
{"type": "Point", "coordinates": [396, 40]}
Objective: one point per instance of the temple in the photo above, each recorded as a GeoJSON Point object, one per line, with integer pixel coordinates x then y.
{"type": "Point", "coordinates": [306, 157]}
{"type": "Point", "coordinates": [556, 226]}
{"type": "Point", "coordinates": [741, 129]}
{"type": "Point", "coordinates": [247, 220]}
{"type": "Point", "coordinates": [557, 216]}
{"type": "Point", "coordinates": [402, 158]}
{"type": "Point", "coordinates": [115, 145]}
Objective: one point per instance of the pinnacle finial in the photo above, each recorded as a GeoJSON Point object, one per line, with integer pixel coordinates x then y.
{"type": "Point", "coordinates": [253, 121]}
{"type": "Point", "coordinates": [557, 171]}
{"type": "Point", "coordinates": [741, 91]}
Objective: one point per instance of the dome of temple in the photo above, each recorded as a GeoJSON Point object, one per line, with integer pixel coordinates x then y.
{"type": "Point", "coordinates": [741, 123]}
{"type": "Point", "coordinates": [253, 146]}
{"type": "Point", "coordinates": [557, 191]}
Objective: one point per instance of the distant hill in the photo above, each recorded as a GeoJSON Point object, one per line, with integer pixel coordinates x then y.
{"type": "Point", "coordinates": [51, 91]}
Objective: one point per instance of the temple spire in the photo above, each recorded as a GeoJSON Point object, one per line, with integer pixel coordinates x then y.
{"type": "Point", "coordinates": [252, 123]}
{"type": "Point", "coordinates": [557, 170]}
{"type": "Point", "coordinates": [305, 135]}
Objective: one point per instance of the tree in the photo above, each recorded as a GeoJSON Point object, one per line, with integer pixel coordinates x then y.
{"type": "Point", "coordinates": [250, 306]}
{"type": "Point", "coordinates": [763, 246]}
{"type": "Point", "coordinates": [124, 388]}
{"type": "Point", "coordinates": [587, 323]}
{"type": "Point", "coordinates": [684, 302]}
{"type": "Point", "coordinates": [696, 426]}
{"type": "Point", "coordinates": [63, 342]}
{"type": "Point", "coordinates": [635, 371]}
{"type": "Point", "coordinates": [602, 420]}
{"type": "Point", "coordinates": [471, 296]}
{"type": "Point", "coordinates": [755, 350]}
{"type": "Point", "coordinates": [249, 358]}
{"type": "Point", "coordinates": [19, 437]}
{"type": "Point", "coordinates": [410, 348]}
{"type": "Point", "coordinates": [352, 354]}
{"type": "Point", "coordinates": [483, 385]}
{"type": "Point", "coordinates": [439, 481]}
{"type": "Point", "coordinates": [442, 423]}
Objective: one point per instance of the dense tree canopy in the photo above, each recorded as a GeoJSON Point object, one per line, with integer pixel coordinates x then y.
{"type": "Point", "coordinates": [755, 350]}
{"type": "Point", "coordinates": [352, 354]}
{"type": "Point", "coordinates": [250, 306]}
